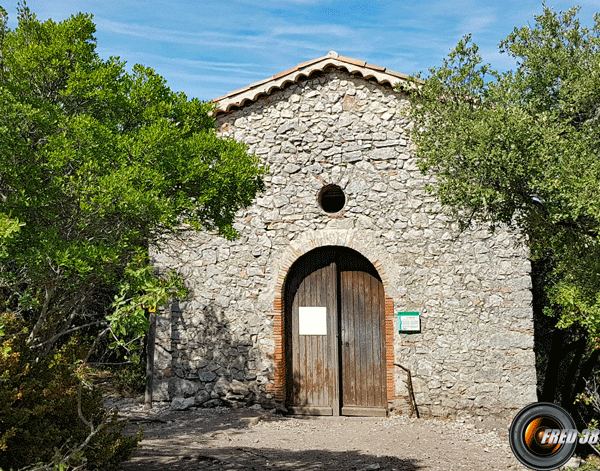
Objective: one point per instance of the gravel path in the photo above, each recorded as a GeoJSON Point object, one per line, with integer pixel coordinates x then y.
{"type": "Point", "coordinates": [254, 439]}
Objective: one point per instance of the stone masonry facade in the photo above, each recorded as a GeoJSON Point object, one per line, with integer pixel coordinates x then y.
{"type": "Point", "coordinates": [225, 344]}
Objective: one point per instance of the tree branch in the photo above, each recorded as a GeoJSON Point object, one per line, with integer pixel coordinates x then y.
{"type": "Point", "coordinates": [43, 315]}
{"type": "Point", "coordinates": [56, 336]}
{"type": "Point", "coordinates": [92, 348]}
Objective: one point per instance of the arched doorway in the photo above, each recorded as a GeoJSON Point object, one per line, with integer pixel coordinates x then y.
{"type": "Point", "coordinates": [335, 335]}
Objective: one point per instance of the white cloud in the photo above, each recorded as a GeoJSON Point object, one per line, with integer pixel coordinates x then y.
{"type": "Point", "coordinates": [278, 3]}
{"type": "Point", "coordinates": [208, 38]}
{"type": "Point", "coordinates": [187, 64]}
{"type": "Point", "coordinates": [478, 23]}
{"type": "Point", "coordinates": [314, 30]}
{"type": "Point", "coordinates": [202, 46]}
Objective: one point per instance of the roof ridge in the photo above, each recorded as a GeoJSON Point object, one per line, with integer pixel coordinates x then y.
{"type": "Point", "coordinates": [250, 93]}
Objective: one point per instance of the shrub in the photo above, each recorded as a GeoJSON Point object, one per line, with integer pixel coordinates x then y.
{"type": "Point", "coordinates": [39, 407]}
{"type": "Point", "coordinates": [131, 379]}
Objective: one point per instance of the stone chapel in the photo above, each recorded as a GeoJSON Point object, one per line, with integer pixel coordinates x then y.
{"type": "Point", "coordinates": [346, 270]}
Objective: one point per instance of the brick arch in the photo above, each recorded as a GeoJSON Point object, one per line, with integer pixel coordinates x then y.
{"type": "Point", "coordinates": [350, 238]}
{"type": "Point", "coordinates": [307, 242]}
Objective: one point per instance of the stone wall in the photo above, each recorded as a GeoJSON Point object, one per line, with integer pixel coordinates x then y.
{"type": "Point", "coordinates": [474, 353]}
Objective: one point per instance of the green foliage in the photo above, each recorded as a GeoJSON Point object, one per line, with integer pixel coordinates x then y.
{"type": "Point", "coordinates": [592, 464]}
{"type": "Point", "coordinates": [97, 165]}
{"type": "Point", "coordinates": [521, 148]}
{"type": "Point", "coordinates": [110, 448]}
{"type": "Point", "coordinates": [39, 406]}
{"type": "Point", "coordinates": [588, 403]}
{"type": "Point", "coordinates": [130, 379]}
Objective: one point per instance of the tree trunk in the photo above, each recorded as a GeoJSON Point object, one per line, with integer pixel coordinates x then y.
{"type": "Point", "coordinates": [552, 368]}
{"type": "Point", "coordinates": [568, 387]}
{"type": "Point", "coordinates": [150, 339]}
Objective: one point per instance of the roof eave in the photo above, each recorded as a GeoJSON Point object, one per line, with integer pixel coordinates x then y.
{"type": "Point", "coordinates": [278, 81]}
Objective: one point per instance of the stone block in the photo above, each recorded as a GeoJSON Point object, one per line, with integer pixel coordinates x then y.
{"type": "Point", "coordinates": [291, 168]}
{"type": "Point", "coordinates": [162, 358]}
{"type": "Point", "coordinates": [180, 403]}
{"type": "Point", "coordinates": [184, 388]}
{"type": "Point", "coordinates": [160, 390]}
{"type": "Point", "coordinates": [237, 387]}
{"type": "Point", "coordinates": [201, 398]}
{"type": "Point", "coordinates": [352, 156]}
{"type": "Point", "coordinates": [212, 403]}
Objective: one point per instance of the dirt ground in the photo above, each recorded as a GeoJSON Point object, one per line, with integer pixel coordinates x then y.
{"type": "Point", "coordinates": [255, 439]}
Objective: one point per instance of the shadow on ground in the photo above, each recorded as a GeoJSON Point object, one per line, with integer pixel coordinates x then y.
{"type": "Point", "coordinates": [251, 458]}
{"type": "Point", "coordinates": [208, 440]}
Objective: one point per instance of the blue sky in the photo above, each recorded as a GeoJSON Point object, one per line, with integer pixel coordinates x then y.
{"type": "Point", "coordinates": [208, 48]}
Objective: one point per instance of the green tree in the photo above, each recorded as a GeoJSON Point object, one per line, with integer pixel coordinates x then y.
{"type": "Point", "coordinates": [521, 148]}
{"type": "Point", "coordinates": [96, 166]}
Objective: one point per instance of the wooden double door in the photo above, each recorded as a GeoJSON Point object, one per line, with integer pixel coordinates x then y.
{"type": "Point", "coordinates": [335, 335]}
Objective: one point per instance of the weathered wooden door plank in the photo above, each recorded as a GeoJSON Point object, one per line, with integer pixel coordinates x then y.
{"type": "Point", "coordinates": [313, 374]}
{"type": "Point", "coordinates": [363, 361]}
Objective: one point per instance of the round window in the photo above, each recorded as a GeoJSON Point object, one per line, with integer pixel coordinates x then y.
{"type": "Point", "coordinates": [332, 198]}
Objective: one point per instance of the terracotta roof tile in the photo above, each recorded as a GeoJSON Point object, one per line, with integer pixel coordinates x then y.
{"type": "Point", "coordinates": [397, 74]}
{"type": "Point", "coordinates": [375, 67]}
{"type": "Point", "coordinates": [253, 91]}
{"type": "Point", "coordinates": [285, 72]}
{"type": "Point", "coordinates": [349, 60]}
{"type": "Point", "coordinates": [260, 82]}
{"type": "Point", "coordinates": [312, 61]}
{"type": "Point", "coordinates": [214, 100]}
{"type": "Point", "coordinates": [239, 90]}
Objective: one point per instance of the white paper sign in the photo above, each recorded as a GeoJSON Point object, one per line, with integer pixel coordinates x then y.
{"type": "Point", "coordinates": [410, 323]}
{"type": "Point", "coordinates": [312, 320]}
